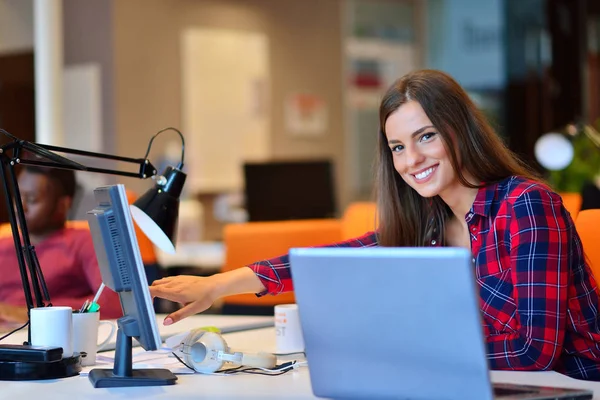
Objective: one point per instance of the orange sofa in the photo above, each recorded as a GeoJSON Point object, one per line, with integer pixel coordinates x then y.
{"type": "Point", "coordinates": [253, 241]}
{"type": "Point", "coordinates": [572, 202]}
{"type": "Point", "coordinates": [588, 227]}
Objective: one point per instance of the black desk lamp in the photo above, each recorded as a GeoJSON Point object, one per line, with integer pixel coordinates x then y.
{"type": "Point", "coordinates": [157, 208]}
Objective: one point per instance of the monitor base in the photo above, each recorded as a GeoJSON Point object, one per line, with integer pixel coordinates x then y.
{"type": "Point", "coordinates": [40, 370]}
{"type": "Point", "coordinates": [105, 378]}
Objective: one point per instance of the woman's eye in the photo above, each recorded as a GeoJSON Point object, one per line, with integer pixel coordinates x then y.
{"type": "Point", "coordinates": [397, 148]}
{"type": "Point", "coordinates": [427, 136]}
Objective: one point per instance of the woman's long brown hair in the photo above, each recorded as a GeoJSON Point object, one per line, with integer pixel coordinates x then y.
{"type": "Point", "coordinates": [406, 218]}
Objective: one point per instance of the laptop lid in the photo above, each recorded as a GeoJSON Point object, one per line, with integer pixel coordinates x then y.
{"type": "Point", "coordinates": [386, 322]}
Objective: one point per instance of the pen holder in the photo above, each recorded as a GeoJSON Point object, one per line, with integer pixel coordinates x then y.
{"type": "Point", "coordinates": [85, 335]}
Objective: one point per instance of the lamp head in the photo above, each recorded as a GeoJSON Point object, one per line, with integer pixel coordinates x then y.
{"type": "Point", "coordinates": [156, 211]}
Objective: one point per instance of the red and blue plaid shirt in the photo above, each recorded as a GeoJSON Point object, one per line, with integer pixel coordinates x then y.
{"type": "Point", "coordinates": [538, 297]}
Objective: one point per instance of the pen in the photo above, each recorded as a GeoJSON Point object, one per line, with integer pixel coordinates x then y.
{"type": "Point", "coordinates": [84, 306]}
{"type": "Point", "coordinates": [93, 306]}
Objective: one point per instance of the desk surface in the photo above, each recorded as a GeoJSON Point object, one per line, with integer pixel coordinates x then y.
{"type": "Point", "coordinates": [226, 323]}
{"type": "Point", "coordinates": [292, 385]}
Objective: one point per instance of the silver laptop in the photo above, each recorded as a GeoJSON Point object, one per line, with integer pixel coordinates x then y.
{"type": "Point", "coordinates": [397, 323]}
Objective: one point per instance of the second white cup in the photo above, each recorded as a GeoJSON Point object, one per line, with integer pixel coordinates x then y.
{"type": "Point", "coordinates": [287, 327]}
{"type": "Point", "coordinates": [85, 335]}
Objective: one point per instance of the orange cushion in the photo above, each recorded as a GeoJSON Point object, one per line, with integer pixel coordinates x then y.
{"type": "Point", "coordinates": [572, 202]}
{"type": "Point", "coordinates": [588, 226]}
{"type": "Point", "coordinates": [358, 219]}
{"type": "Point", "coordinates": [254, 241]}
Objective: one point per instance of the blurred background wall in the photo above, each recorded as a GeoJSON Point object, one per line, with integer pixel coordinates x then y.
{"type": "Point", "coordinates": [531, 65]}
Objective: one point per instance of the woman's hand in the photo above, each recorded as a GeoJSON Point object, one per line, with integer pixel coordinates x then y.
{"type": "Point", "coordinates": [199, 293]}
{"type": "Point", "coordinates": [194, 292]}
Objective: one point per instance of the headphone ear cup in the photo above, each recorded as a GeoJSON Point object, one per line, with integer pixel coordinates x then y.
{"type": "Point", "coordinates": [203, 351]}
{"type": "Point", "coordinates": [207, 351]}
{"type": "Point", "coordinates": [259, 360]}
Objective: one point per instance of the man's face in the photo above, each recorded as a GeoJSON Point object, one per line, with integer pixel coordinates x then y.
{"type": "Point", "coordinates": [45, 209]}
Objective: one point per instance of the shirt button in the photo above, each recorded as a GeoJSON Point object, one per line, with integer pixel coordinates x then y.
{"type": "Point", "coordinates": [474, 229]}
{"type": "Point", "coordinates": [433, 242]}
{"type": "Point", "coordinates": [473, 259]}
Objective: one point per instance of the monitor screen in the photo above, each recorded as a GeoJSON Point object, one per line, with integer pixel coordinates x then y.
{"type": "Point", "coordinates": [284, 190]}
{"type": "Point", "coordinates": [122, 270]}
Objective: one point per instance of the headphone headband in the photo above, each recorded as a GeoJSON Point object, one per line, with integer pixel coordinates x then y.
{"type": "Point", "coordinates": [206, 352]}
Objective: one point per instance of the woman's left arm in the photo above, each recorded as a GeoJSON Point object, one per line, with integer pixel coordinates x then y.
{"type": "Point", "coordinates": [540, 252]}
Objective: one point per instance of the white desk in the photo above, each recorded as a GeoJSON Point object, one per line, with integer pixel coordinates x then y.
{"type": "Point", "coordinates": [292, 385]}
{"type": "Point", "coordinates": [226, 323]}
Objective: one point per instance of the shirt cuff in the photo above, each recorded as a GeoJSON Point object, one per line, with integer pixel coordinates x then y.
{"type": "Point", "coordinates": [262, 271]}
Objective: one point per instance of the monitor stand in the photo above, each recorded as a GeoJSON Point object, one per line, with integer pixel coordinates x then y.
{"type": "Point", "coordinates": [122, 375]}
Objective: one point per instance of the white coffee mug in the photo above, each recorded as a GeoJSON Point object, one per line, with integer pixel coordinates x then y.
{"type": "Point", "coordinates": [85, 335]}
{"type": "Point", "coordinates": [287, 327]}
{"type": "Point", "coordinates": [53, 327]}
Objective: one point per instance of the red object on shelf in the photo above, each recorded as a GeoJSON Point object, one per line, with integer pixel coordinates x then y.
{"type": "Point", "coordinates": [367, 80]}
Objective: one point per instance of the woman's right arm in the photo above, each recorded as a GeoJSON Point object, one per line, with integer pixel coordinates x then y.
{"type": "Point", "coordinates": [199, 293]}
{"type": "Point", "coordinates": [275, 273]}
{"type": "Point", "coordinates": [271, 276]}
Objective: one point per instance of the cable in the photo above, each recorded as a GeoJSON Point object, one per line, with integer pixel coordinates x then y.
{"type": "Point", "coordinates": [180, 166]}
{"type": "Point", "coordinates": [277, 370]}
{"type": "Point", "coordinates": [289, 354]}
{"type": "Point", "coordinates": [13, 331]}
{"type": "Point", "coordinates": [181, 361]}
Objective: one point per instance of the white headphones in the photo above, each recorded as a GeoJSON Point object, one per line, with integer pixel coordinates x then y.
{"type": "Point", "coordinates": [207, 351]}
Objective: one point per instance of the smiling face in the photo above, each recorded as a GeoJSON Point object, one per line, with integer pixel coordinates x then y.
{"type": "Point", "coordinates": [418, 152]}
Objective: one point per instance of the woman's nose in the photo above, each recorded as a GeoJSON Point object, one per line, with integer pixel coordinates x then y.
{"type": "Point", "coordinates": [413, 156]}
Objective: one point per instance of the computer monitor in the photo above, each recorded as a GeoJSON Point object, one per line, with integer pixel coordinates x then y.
{"type": "Point", "coordinates": [122, 270]}
{"type": "Point", "coordinates": [285, 190]}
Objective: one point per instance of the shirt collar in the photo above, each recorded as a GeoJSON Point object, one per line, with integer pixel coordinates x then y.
{"type": "Point", "coordinates": [483, 200]}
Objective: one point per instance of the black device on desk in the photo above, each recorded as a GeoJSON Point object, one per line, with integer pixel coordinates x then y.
{"type": "Point", "coordinates": [15, 352]}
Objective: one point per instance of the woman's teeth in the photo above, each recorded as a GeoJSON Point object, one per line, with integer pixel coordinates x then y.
{"type": "Point", "coordinates": [424, 174]}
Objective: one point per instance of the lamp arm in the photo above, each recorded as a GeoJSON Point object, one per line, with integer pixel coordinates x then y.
{"type": "Point", "coordinates": [15, 219]}
{"type": "Point", "coordinates": [32, 278]}
{"type": "Point", "coordinates": [146, 169]}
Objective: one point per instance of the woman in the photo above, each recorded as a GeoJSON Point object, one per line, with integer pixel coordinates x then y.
{"type": "Point", "coordinates": [445, 178]}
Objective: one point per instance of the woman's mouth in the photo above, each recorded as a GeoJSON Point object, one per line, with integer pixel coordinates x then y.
{"type": "Point", "coordinates": [425, 174]}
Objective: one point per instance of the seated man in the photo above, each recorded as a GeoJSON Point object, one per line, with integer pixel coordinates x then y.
{"type": "Point", "coordinates": [66, 255]}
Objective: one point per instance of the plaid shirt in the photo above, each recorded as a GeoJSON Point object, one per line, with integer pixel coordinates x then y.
{"type": "Point", "coordinates": [538, 297]}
